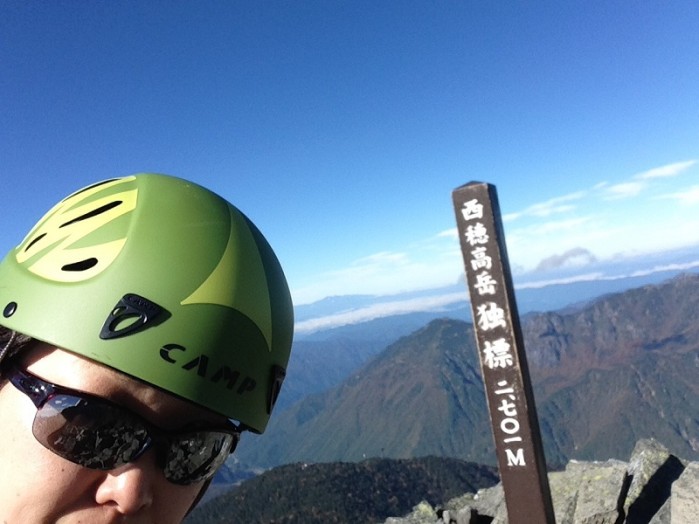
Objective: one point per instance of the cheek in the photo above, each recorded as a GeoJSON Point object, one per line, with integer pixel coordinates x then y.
{"type": "Point", "coordinates": [33, 481]}
{"type": "Point", "coordinates": [174, 501]}
{"type": "Point", "coordinates": [38, 486]}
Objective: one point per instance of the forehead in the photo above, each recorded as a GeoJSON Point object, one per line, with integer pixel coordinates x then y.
{"type": "Point", "coordinates": [75, 372]}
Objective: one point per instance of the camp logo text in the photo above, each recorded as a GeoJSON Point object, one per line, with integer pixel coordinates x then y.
{"type": "Point", "coordinates": [231, 378]}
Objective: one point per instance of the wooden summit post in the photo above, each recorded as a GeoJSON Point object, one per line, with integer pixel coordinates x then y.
{"type": "Point", "coordinates": [513, 418]}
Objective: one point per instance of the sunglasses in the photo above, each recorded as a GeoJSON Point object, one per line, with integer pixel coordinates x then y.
{"type": "Point", "coordinates": [95, 433]}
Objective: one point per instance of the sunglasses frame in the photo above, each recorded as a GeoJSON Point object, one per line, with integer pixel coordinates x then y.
{"type": "Point", "coordinates": [40, 392]}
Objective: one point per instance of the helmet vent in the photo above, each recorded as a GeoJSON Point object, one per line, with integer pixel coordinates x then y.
{"type": "Point", "coordinates": [93, 213]}
{"type": "Point", "coordinates": [83, 265]}
{"type": "Point", "coordinates": [88, 188]}
{"type": "Point", "coordinates": [34, 242]}
{"type": "Point", "coordinates": [133, 313]}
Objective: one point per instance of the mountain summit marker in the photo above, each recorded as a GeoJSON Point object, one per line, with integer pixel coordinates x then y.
{"type": "Point", "coordinates": [513, 418]}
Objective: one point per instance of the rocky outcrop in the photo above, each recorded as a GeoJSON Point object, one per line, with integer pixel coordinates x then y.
{"type": "Point", "coordinates": [653, 487]}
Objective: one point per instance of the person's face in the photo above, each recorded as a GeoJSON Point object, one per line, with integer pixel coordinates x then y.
{"type": "Point", "coordinates": [37, 486]}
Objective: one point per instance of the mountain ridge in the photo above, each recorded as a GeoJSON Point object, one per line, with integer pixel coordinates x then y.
{"type": "Point", "coordinates": [617, 352]}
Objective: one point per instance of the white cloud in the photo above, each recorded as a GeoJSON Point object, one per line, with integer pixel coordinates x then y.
{"type": "Point", "coordinates": [547, 208]}
{"type": "Point", "coordinates": [666, 267]}
{"type": "Point", "coordinates": [689, 196]}
{"type": "Point", "coordinates": [427, 264]}
{"type": "Point", "coordinates": [539, 230]}
{"type": "Point", "coordinates": [623, 190]}
{"type": "Point", "coordinates": [443, 301]}
{"type": "Point", "coordinates": [600, 276]}
{"type": "Point", "coordinates": [576, 257]}
{"type": "Point", "coordinates": [585, 277]}
{"type": "Point", "coordinates": [377, 261]}
{"type": "Point", "coordinates": [641, 181]}
{"type": "Point", "coordinates": [597, 218]}
{"type": "Point", "coordinates": [449, 233]}
{"type": "Point", "coordinates": [665, 171]}
{"type": "Point", "coordinates": [384, 309]}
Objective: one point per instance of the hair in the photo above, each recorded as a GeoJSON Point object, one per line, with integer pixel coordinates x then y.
{"type": "Point", "coordinates": [11, 343]}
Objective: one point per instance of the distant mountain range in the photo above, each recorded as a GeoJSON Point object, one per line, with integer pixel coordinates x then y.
{"type": "Point", "coordinates": [536, 292]}
{"type": "Point", "coordinates": [606, 373]}
{"type": "Point", "coordinates": [323, 357]}
{"type": "Point", "coordinates": [336, 335]}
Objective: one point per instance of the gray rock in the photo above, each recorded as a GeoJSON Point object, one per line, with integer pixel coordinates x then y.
{"type": "Point", "coordinates": [466, 515]}
{"type": "Point", "coordinates": [663, 516]}
{"type": "Point", "coordinates": [653, 470]}
{"type": "Point", "coordinates": [654, 487]}
{"type": "Point", "coordinates": [423, 513]}
{"type": "Point", "coordinates": [685, 496]}
{"type": "Point", "coordinates": [491, 502]}
{"type": "Point", "coordinates": [590, 492]}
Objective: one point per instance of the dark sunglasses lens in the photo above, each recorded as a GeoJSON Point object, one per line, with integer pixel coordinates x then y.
{"type": "Point", "coordinates": [90, 433]}
{"type": "Point", "coordinates": [194, 457]}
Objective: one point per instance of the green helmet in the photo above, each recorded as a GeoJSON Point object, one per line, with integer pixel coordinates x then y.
{"type": "Point", "coordinates": [163, 280]}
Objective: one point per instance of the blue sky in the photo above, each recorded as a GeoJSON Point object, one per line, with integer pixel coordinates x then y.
{"type": "Point", "coordinates": [341, 127]}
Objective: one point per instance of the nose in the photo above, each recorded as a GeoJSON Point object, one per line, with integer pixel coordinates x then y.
{"type": "Point", "coordinates": [129, 488]}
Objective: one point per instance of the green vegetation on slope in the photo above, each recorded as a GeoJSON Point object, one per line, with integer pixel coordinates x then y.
{"type": "Point", "coordinates": [365, 492]}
